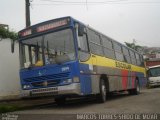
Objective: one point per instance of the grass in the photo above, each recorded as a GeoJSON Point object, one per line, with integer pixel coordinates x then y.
{"type": "Point", "coordinates": [9, 108]}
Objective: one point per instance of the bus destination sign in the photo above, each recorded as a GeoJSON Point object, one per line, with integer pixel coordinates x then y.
{"type": "Point", "coordinates": [52, 25]}
{"type": "Point", "coordinates": [43, 27]}
{"type": "Point", "coordinates": [26, 33]}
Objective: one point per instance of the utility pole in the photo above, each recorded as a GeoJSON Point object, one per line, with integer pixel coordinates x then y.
{"type": "Point", "coordinates": [28, 23]}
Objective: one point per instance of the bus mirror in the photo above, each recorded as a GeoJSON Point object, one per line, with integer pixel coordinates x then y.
{"type": "Point", "coordinates": [81, 30]}
{"type": "Point", "coordinates": [12, 46]}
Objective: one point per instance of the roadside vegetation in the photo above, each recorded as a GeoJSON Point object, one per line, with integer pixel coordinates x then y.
{"type": "Point", "coordinates": [5, 33]}
{"type": "Point", "coordinates": [9, 108]}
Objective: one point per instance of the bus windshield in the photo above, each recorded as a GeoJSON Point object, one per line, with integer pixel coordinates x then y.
{"type": "Point", "coordinates": [52, 48]}
{"type": "Point", "coordinates": [154, 72]}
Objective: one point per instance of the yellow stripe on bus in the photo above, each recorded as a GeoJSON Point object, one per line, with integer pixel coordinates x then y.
{"type": "Point", "coordinates": [106, 62]}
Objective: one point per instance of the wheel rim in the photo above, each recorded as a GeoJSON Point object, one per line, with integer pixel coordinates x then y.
{"type": "Point", "coordinates": [137, 86]}
{"type": "Point", "coordinates": [103, 91]}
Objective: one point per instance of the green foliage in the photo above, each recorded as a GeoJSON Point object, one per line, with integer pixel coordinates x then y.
{"type": "Point", "coordinates": [4, 33]}
{"type": "Point", "coordinates": [133, 46]}
{"type": "Point", "coordinates": [8, 108]}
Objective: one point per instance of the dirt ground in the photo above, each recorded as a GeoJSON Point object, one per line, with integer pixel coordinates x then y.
{"type": "Point", "coordinates": [147, 102]}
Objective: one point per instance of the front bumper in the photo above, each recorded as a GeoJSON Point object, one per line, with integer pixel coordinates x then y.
{"type": "Point", "coordinates": [71, 89]}
{"type": "Point", "coordinates": [154, 83]}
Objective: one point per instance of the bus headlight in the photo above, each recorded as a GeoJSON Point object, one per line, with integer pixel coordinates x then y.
{"type": "Point", "coordinates": [67, 81]}
{"type": "Point", "coordinates": [26, 86]}
{"type": "Point", "coordinates": [76, 79]}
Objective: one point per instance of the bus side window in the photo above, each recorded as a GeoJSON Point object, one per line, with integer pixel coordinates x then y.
{"type": "Point", "coordinates": [107, 47]}
{"type": "Point", "coordinates": [118, 51]}
{"type": "Point", "coordinates": [95, 43]}
{"type": "Point", "coordinates": [83, 50]}
{"type": "Point", "coordinates": [126, 54]}
{"type": "Point", "coordinates": [138, 59]}
{"type": "Point", "coordinates": [133, 57]}
{"type": "Point", "coordinates": [82, 43]}
{"type": "Point", "coordinates": [142, 60]}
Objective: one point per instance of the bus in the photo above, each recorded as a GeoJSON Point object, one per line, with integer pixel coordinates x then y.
{"type": "Point", "coordinates": [65, 58]}
{"type": "Point", "coordinates": [153, 75]}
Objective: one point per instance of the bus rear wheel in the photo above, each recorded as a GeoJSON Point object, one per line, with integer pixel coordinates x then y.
{"type": "Point", "coordinates": [136, 90]}
{"type": "Point", "coordinates": [103, 91]}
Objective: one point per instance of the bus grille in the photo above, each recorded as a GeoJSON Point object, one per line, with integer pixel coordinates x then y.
{"type": "Point", "coordinates": [51, 80]}
{"type": "Point", "coordinates": [48, 77]}
{"type": "Point", "coordinates": [49, 83]}
{"type": "Point", "coordinates": [44, 92]}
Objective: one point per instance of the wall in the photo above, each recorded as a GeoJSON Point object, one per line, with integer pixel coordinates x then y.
{"type": "Point", "coordinates": [9, 71]}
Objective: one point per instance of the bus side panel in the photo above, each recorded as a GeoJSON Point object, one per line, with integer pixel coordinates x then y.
{"type": "Point", "coordinates": [125, 81]}
{"type": "Point", "coordinates": [95, 84]}
{"type": "Point", "coordinates": [142, 79]}
{"type": "Point", "coordinates": [119, 79]}
{"type": "Point", "coordinates": [114, 77]}
{"type": "Point", "coordinates": [133, 77]}
{"type": "Point", "coordinates": [130, 83]}
{"type": "Point", "coordinates": [85, 79]}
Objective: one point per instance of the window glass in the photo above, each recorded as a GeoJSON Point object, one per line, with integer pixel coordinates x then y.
{"type": "Point", "coordinates": [118, 51]}
{"type": "Point", "coordinates": [127, 59]}
{"type": "Point", "coordinates": [132, 54]}
{"type": "Point", "coordinates": [154, 72]}
{"type": "Point", "coordinates": [133, 58]}
{"type": "Point", "coordinates": [109, 53]}
{"type": "Point", "coordinates": [107, 47]}
{"type": "Point", "coordinates": [26, 49]}
{"type": "Point", "coordinates": [142, 61]}
{"type": "Point", "coordinates": [126, 54]}
{"type": "Point", "coordinates": [82, 42]}
{"type": "Point", "coordinates": [119, 56]}
{"type": "Point", "coordinates": [94, 37]}
{"type": "Point", "coordinates": [138, 62]}
{"type": "Point", "coordinates": [117, 47]}
{"type": "Point", "coordinates": [96, 49]}
{"type": "Point", "coordinates": [83, 56]}
{"type": "Point", "coordinates": [125, 51]}
{"type": "Point", "coordinates": [83, 48]}
{"type": "Point", "coordinates": [133, 61]}
{"type": "Point", "coordinates": [52, 48]}
{"type": "Point", "coordinates": [137, 56]}
{"type": "Point", "coordinates": [138, 59]}
{"type": "Point", "coordinates": [106, 42]}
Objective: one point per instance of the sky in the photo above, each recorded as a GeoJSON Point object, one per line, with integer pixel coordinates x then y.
{"type": "Point", "coordinates": [122, 20]}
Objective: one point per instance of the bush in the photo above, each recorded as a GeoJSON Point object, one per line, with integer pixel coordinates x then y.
{"type": "Point", "coordinates": [4, 33]}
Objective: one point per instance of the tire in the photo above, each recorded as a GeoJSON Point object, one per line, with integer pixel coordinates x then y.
{"type": "Point", "coordinates": [103, 91]}
{"type": "Point", "coordinates": [136, 90]}
{"type": "Point", "coordinates": [60, 100]}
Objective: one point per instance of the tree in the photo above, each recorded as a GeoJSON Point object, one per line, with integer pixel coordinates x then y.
{"type": "Point", "coordinates": [134, 46]}
{"type": "Point", "coordinates": [5, 33]}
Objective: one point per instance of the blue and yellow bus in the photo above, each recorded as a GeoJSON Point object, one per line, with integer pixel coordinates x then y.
{"type": "Point", "coordinates": [66, 58]}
